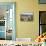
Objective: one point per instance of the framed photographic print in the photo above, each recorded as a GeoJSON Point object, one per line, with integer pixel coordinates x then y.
{"type": "Point", "coordinates": [26, 17]}
{"type": "Point", "coordinates": [42, 1]}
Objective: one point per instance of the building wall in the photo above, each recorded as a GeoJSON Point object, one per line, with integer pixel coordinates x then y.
{"type": "Point", "coordinates": [27, 29]}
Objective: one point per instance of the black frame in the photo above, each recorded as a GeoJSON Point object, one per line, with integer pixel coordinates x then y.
{"type": "Point", "coordinates": [39, 24]}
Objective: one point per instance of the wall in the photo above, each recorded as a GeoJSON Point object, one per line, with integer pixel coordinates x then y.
{"type": "Point", "coordinates": [24, 29]}
{"type": "Point", "coordinates": [42, 7]}
{"type": "Point", "coordinates": [27, 29]}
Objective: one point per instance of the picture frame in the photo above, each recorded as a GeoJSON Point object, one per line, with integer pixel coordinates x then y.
{"type": "Point", "coordinates": [42, 1]}
{"type": "Point", "coordinates": [26, 17]}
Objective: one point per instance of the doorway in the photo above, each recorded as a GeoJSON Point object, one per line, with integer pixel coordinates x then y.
{"type": "Point", "coordinates": [7, 21]}
{"type": "Point", "coordinates": [42, 22]}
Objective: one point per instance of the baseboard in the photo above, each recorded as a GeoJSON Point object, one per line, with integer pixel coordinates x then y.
{"type": "Point", "coordinates": [24, 39]}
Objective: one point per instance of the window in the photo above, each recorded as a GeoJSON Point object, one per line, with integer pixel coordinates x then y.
{"type": "Point", "coordinates": [7, 21]}
{"type": "Point", "coordinates": [42, 22]}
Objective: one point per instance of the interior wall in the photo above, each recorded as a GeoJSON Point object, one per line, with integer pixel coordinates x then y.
{"type": "Point", "coordinates": [42, 7]}
{"type": "Point", "coordinates": [27, 29]}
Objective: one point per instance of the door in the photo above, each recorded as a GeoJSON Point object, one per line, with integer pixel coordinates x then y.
{"type": "Point", "coordinates": [8, 10]}
{"type": "Point", "coordinates": [42, 22]}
